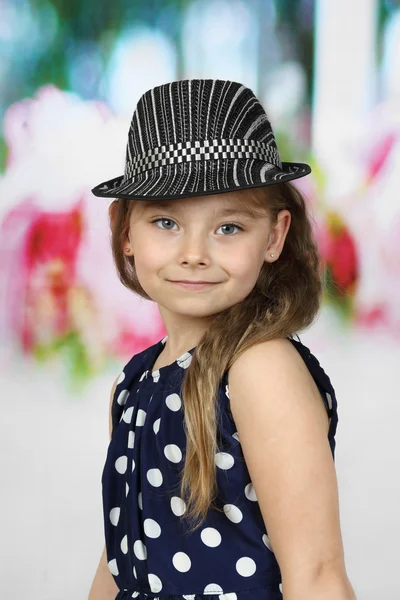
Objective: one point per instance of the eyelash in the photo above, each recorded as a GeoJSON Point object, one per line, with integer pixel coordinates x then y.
{"type": "Point", "coordinates": [168, 219]}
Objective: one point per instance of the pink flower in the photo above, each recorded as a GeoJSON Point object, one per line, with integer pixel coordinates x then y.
{"type": "Point", "coordinates": [339, 256]}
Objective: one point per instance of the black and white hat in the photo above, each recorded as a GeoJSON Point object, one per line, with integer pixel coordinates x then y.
{"type": "Point", "coordinates": [197, 137]}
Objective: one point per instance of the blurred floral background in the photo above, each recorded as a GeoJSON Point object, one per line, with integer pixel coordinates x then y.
{"type": "Point", "coordinates": [70, 80]}
{"type": "Point", "coordinates": [71, 74]}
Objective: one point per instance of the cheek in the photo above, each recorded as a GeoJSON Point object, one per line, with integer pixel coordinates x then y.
{"type": "Point", "coordinates": [244, 265]}
{"type": "Point", "coordinates": [148, 261]}
{"type": "Point", "coordinates": [148, 258]}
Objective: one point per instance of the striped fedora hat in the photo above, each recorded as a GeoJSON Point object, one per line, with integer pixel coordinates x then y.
{"type": "Point", "coordinates": [196, 137]}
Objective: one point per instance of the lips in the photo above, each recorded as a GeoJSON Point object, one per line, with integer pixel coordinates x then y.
{"type": "Point", "coordinates": [194, 286]}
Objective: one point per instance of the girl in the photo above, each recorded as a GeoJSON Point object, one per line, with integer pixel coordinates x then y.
{"type": "Point", "coordinates": [219, 481]}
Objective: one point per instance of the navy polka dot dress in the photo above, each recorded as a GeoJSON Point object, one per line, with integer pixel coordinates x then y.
{"type": "Point", "coordinates": [149, 550]}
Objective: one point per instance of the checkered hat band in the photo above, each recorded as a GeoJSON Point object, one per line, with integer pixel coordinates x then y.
{"type": "Point", "coordinates": [189, 151]}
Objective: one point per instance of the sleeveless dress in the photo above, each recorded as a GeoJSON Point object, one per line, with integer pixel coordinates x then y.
{"type": "Point", "coordinates": [149, 551]}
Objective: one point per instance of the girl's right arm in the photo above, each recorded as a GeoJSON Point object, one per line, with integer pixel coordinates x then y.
{"type": "Point", "coordinates": [104, 586]}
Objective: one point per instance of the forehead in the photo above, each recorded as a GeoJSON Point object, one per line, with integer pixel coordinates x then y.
{"type": "Point", "coordinates": [217, 207]}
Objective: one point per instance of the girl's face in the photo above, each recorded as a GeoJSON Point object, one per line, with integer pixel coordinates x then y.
{"type": "Point", "coordinates": [193, 239]}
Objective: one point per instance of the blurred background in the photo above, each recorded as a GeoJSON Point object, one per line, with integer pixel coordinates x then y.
{"type": "Point", "coordinates": [71, 74]}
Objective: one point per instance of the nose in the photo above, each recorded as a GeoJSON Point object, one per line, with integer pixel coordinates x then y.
{"type": "Point", "coordinates": [194, 250]}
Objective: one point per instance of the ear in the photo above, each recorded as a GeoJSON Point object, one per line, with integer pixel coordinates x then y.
{"type": "Point", "coordinates": [278, 234]}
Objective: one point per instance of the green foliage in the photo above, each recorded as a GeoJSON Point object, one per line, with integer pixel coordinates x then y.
{"type": "Point", "coordinates": [3, 154]}
{"type": "Point", "coordinates": [68, 350]}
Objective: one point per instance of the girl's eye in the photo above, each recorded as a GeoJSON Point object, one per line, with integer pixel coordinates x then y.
{"type": "Point", "coordinates": [171, 221]}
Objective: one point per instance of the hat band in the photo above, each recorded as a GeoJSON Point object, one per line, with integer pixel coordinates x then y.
{"type": "Point", "coordinates": [201, 150]}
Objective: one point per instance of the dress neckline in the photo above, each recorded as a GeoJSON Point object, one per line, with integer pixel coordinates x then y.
{"type": "Point", "coordinates": [158, 348]}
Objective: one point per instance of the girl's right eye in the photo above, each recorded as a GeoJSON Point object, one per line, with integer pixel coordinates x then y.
{"type": "Point", "coordinates": [162, 219]}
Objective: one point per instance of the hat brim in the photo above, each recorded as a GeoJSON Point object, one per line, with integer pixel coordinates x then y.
{"type": "Point", "coordinates": [199, 178]}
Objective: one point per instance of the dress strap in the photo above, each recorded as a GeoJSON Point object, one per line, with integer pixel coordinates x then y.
{"type": "Point", "coordinates": [323, 382]}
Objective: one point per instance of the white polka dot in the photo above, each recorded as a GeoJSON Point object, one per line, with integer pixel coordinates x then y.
{"type": "Point", "coordinates": [229, 596]}
{"type": "Point", "coordinates": [114, 515]}
{"type": "Point", "coordinates": [250, 492]}
{"type": "Point", "coordinates": [140, 500]}
{"type": "Point", "coordinates": [140, 550]}
{"type": "Point", "coordinates": [131, 439]}
{"type": "Point", "coordinates": [210, 537]}
{"type": "Point", "coordinates": [173, 453]}
{"type": "Point", "coordinates": [181, 562]}
{"type": "Point", "coordinates": [329, 399]}
{"type": "Point", "coordinates": [112, 565]}
{"type": "Point", "coordinates": [213, 588]}
{"type": "Point", "coordinates": [140, 418]}
{"type": "Point", "coordinates": [173, 402]}
{"type": "Point", "coordinates": [123, 397]}
{"type": "Point", "coordinates": [223, 460]}
{"type": "Point", "coordinates": [267, 542]}
{"type": "Point", "coordinates": [189, 596]}
{"type": "Point", "coordinates": [151, 528]}
{"type": "Point", "coordinates": [154, 476]}
{"type": "Point", "coordinates": [236, 436]}
{"type": "Point", "coordinates": [133, 464]}
{"type": "Point", "coordinates": [124, 544]}
{"type": "Point", "coordinates": [227, 390]}
{"type": "Point", "coordinates": [178, 506]}
{"type": "Point", "coordinates": [156, 425]}
{"type": "Point", "coordinates": [121, 377]}
{"type": "Point", "coordinates": [126, 489]}
{"type": "Point", "coordinates": [134, 572]}
{"type": "Point", "coordinates": [135, 594]}
{"type": "Point", "coordinates": [246, 566]}
{"type": "Point", "coordinates": [154, 582]}
{"type": "Point", "coordinates": [127, 416]}
{"type": "Point", "coordinates": [233, 513]}
{"type": "Point", "coordinates": [184, 360]}
{"type": "Point", "coordinates": [121, 464]}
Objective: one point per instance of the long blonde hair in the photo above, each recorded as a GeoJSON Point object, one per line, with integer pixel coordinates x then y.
{"type": "Point", "coordinates": [285, 299]}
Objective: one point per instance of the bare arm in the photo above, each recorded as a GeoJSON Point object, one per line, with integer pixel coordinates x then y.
{"type": "Point", "coordinates": [104, 586]}
{"type": "Point", "coordinates": [281, 422]}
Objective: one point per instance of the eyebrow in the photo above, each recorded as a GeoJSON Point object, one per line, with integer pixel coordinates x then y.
{"type": "Point", "coordinates": [223, 212]}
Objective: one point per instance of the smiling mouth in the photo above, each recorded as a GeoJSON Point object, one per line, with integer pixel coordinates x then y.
{"type": "Point", "coordinates": [194, 286]}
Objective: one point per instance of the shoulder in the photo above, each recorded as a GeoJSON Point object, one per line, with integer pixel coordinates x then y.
{"type": "Point", "coordinates": [272, 379]}
{"type": "Point", "coordinates": [278, 347]}
{"type": "Point", "coordinates": [276, 360]}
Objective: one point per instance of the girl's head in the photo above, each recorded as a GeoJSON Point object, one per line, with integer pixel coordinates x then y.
{"type": "Point", "coordinates": [202, 147]}
{"type": "Point", "coordinates": [222, 238]}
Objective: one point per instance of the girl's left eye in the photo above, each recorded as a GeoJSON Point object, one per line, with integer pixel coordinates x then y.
{"type": "Point", "coordinates": [167, 219]}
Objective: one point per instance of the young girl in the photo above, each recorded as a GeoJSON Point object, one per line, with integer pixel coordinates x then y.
{"type": "Point", "coordinates": [219, 481]}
